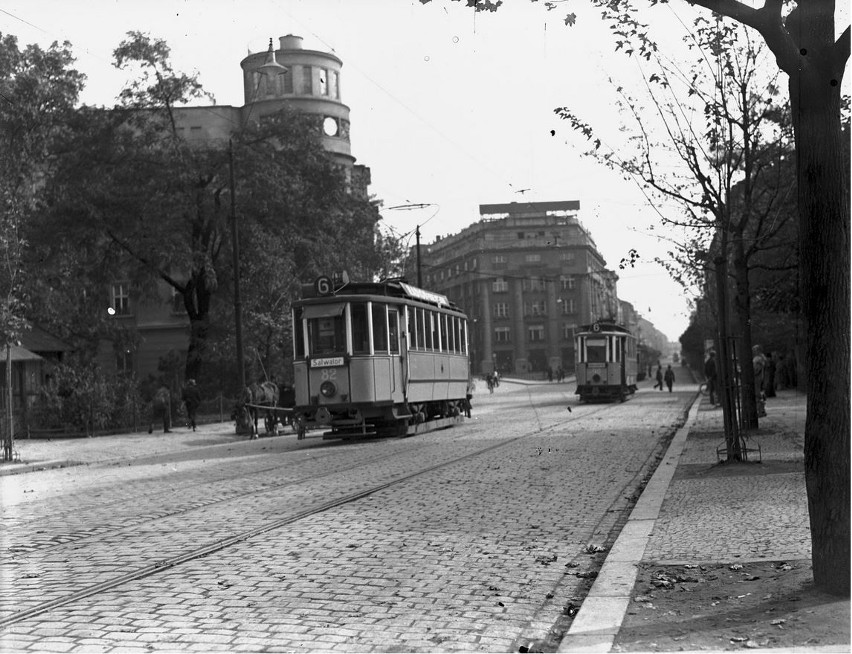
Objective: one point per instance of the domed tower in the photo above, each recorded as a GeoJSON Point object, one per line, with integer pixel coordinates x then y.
{"type": "Point", "coordinates": [309, 82]}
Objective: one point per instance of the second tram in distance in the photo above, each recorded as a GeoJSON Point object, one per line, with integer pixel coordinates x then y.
{"type": "Point", "coordinates": [376, 359]}
{"type": "Point", "coordinates": [605, 362]}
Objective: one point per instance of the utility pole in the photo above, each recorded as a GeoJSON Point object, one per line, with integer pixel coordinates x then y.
{"type": "Point", "coordinates": [235, 237]}
{"type": "Point", "coordinates": [419, 270]}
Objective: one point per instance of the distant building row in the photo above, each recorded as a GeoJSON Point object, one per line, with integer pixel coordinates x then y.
{"type": "Point", "coordinates": [528, 275]}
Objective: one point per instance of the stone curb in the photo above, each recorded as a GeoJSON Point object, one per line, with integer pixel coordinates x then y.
{"type": "Point", "coordinates": [599, 619]}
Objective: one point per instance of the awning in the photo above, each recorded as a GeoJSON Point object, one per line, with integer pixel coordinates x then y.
{"type": "Point", "coordinates": [323, 310]}
{"type": "Point", "coordinates": [18, 354]}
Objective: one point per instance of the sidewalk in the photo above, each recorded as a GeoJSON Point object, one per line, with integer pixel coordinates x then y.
{"type": "Point", "coordinates": [685, 573]}
{"type": "Point", "coordinates": [43, 453]}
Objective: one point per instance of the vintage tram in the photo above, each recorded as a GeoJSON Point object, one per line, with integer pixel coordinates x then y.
{"type": "Point", "coordinates": [377, 359]}
{"type": "Point", "coordinates": [605, 362]}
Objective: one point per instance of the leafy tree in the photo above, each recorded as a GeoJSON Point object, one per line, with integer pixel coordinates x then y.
{"type": "Point", "coordinates": [131, 194]}
{"type": "Point", "coordinates": [720, 121]}
{"type": "Point", "coordinates": [38, 89]}
{"type": "Point", "coordinates": [804, 42]}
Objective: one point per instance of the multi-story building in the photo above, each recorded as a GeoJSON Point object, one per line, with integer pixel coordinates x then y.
{"type": "Point", "coordinates": [306, 80]}
{"type": "Point", "coordinates": [527, 274]}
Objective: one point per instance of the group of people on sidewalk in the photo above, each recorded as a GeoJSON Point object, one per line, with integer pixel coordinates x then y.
{"type": "Point", "coordinates": [763, 367]}
{"type": "Point", "coordinates": [161, 406]}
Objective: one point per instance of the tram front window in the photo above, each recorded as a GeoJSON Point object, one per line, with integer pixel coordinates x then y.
{"type": "Point", "coordinates": [326, 335]}
{"type": "Point", "coordinates": [595, 350]}
{"type": "Point", "coordinates": [326, 329]}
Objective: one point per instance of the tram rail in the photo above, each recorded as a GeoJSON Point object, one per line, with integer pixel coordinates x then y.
{"type": "Point", "coordinates": [191, 554]}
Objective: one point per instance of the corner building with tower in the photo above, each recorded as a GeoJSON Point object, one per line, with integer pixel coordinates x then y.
{"type": "Point", "coordinates": [308, 81]}
{"type": "Point", "coordinates": [527, 274]}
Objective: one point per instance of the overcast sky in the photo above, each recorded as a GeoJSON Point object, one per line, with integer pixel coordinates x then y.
{"type": "Point", "coordinates": [448, 108]}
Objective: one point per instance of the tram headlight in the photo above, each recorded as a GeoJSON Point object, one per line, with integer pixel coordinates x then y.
{"type": "Point", "coordinates": [328, 389]}
{"type": "Point", "coordinates": [596, 378]}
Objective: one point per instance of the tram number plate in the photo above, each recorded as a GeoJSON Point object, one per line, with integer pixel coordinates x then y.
{"type": "Point", "coordinates": [325, 363]}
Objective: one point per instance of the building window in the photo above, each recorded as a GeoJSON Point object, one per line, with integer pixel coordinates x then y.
{"type": "Point", "coordinates": [568, 331]}
{"type": "Point", "coordinates": [536, 333]}
{"type": "Point", "coordinates": [120, 298]}
{"type": "Point", "coordinates": [307, 81]}
{"type": "Point", "coordinates": [569, 306]}
{"type": "Point", "coordinates": [568, 282]}
{"type": "Point", "coordinates": [568, 257]}
{"type": "Point", "coordinates": [473, 264]}
{"type": "Point", "coordinates": [323, 81]}
{"type": "Point", "coordinates": [500, 285]}
{"type": "Point", "coordinates": [501, 309]}
{"type": "Point", "coordinates": [534, 283]}
{"type": "Point", "coordinates": [501, 335]}
{"type": "Point", "coordinates": [532, 258]}
{"type": "Point", "coordinates": [537, 308]}
{"type": "Point", "coordinates": [124, 361]}
{"type": "Point", "coordinates": [178, 305]}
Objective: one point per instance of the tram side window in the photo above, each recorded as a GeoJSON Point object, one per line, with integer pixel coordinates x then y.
{"type": "Point", "coordinates": [450, 333]}
{"type": "Point", "coordinates": [463, 335]}
{"type": "Point", "coordinates": [326, 335]}
{"type": "Point", "coordinates": [436, 330]}
{"type": "Point", "coordinates": [298, 334]}
{"type": "Point", "coordinates": [393, 326]}
{"type": "Point", "coordinates": [360, 333]}
{"type": "Point", "coordinates": [380, 328]}
{"type": "Point", "coordinates": [413, 334]}
{"type": "Point", "coordinates": [426, 327]}
{"type": "Point", "coordinates": [596, 350]}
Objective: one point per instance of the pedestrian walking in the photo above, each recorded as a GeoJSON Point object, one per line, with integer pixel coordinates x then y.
{"type": "Point", "coordinates": [161, 409]}
{"type": "Point", "coordinates": [769, 381]}
{"type": "Point", "coordinates": [669, 377]}
{"type": "Point", "coordinates": [758, 362]}
{"type": "Point", "coordinates": [192, 400]}
{"type": "Point", "coordinates": [659, 383]}
{"type": "Point", "coordinates": [549, 373]}
{"type": "Point", "coordinates": [712, 375]}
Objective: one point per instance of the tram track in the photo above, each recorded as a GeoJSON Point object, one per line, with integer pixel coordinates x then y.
{"type": "Point", "coordinates": [229, 541]}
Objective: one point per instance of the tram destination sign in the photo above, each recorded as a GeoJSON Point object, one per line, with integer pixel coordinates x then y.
{"type": "Point", "coordinates": [326, 362]}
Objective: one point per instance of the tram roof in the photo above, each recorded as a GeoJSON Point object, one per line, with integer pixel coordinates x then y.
{"type": "Point", "coordinates": [391, 288]}
{"type": "Point", "coordinates": [602, 327]}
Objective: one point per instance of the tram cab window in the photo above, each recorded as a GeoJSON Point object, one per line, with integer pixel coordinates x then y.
{"type": "Point", "coordinates": [380, 328]}
{"type": "Point", "coordinates": [360, 329]}
{"type": "Point", "coordinates": [596, 350]}
{"type": "Point", "coordinates": [298, 334]}
{"type": "Point", "coordinates": [463, 336]}
{"type": "Point", "coordinates": [326, 329]}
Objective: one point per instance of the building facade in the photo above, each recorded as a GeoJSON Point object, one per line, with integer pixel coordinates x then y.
{"type": "Point", "coordinates": [527, 274]}
{"type": "Point", "coordinates": [308, 81]}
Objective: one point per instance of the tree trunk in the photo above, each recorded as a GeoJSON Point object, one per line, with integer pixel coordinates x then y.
{"type": "Point", "coordinates": [742, 307]}
{"type": "Point", "coordinates": [823, 196]}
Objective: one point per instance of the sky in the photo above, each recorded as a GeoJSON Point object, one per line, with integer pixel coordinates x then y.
{"type": "Point", "coordinates": [449, 108]}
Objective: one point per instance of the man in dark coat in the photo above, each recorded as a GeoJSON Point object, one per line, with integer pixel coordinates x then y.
{"type": "Point", "coordinates": [712, 376]}
{"type": "Point", "coordinates": [192, 400]}
{"type": "Point", "coordinates": [161, 408]}
{"type": "Point", "coordinates": [669, 377]}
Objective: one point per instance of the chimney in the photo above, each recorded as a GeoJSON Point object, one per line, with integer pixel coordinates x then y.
{"type": "Point", "coordinates": [290, 42]}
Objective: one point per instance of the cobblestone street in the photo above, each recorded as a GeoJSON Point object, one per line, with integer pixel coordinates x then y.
{"type": "Point", "coordinates": [454, 540]}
